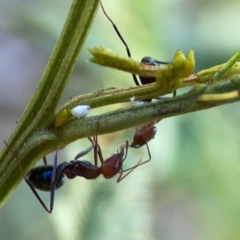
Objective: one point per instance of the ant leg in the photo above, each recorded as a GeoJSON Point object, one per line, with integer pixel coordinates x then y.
{"type": "Point", "coordinates": [99, 153]}
{"type": "Point", "coordinates": [27, 181]}
{"type": "Point", "coordinates": [125, 44]}
{"type": "Point", "coordinates": [129, 170]}
{"type": "Point", "coordinates": [97, 149]}
{"type": "Point", "coordinates": [84, 152]}
{"type": "Point", "coordinates": [121, 177]}
{"type": "Point", "coordinates": [87, 150]}
{"type": "Point", "coordinates": [45, 161]}
{"type": "Point", "coordinates": [54, 176]}
{"type": "Point", "coordinates": [94, 142]}
{"type": "Point", "coordinates": [149, 157]}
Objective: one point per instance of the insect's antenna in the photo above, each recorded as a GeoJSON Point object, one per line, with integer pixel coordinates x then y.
{"type": "Point", "coordinates": [123, 41]}
{"type": "Point", "coordinates": [126, 146]}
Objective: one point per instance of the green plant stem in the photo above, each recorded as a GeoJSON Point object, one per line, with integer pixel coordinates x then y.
{"type": "Point", "coordinates": [44, 141]}
{"type": "Point", "coordinates": [112, 96]}
{"type": "Point", "coordinates": [33, 137]}
{"type": "Point", "coordinates": [41, 108]}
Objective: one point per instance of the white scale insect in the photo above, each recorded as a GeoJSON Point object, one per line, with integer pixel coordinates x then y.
{"type": "Point", "coordinates": [81, 111]}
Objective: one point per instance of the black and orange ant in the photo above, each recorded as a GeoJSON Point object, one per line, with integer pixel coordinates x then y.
{"type": "Point", "coordinates": [51, 177]}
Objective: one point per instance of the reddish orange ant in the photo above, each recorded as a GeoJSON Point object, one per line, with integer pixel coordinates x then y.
{"type": "Point", "coordinates": [51, 177]}
{"type": "Point", "coordinates": [143, 134]}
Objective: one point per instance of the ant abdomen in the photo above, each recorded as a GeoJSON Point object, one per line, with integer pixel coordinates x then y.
{"type": "Point", "coordinates": [41, 178]}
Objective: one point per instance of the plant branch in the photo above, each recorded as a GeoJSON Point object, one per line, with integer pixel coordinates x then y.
{"type": "Point", "coordinates": [35, 135]}
{"type": "Point", "coordinates": [44, 141]}
{"type": "Point", "coordinates": [41, 108]}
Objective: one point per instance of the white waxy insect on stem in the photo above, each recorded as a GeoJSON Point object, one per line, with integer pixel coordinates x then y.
{"type": "Point", "coordinates": [81, 111]}
{"type": "Point", "coordinates": [135, 103]}
{"type": "Point", "coordinates": [132, 99]}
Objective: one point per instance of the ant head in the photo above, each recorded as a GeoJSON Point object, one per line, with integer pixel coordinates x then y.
{"type": "Point", "coordinates": [143, 136]}
{"type": "Point", "coordinates": [113, 165]}
{"type": "Point", "coordinates": [153, 62]}
{"type": "Point", "coordinates": [150, 61]}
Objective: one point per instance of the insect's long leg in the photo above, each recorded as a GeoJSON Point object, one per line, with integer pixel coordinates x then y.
{"type": "Point", "coordinates": [96, 147]}
{"type": "Point", "coordinates": [129, 170]}
{"type": "Point", "coordinates": [99, 151]}
{"type": "Point", "coordinates": [149, 157]}
{"type": "Point", "coordinates": [27, 181]}
{"type": "Point", "coordinates": [85, 151]}
{"type": "Point", "coordinates": [54, 173]}
{"type": "Point", "coordinates": [45, 160]}
{"type": "Point", "coordinates": [123, 41]}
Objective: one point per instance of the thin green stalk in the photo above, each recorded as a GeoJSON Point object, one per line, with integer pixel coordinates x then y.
{"type": "Point", "coordinates": [44, 141]}
{"type": "Point", "coordinates": [34, 137]}
{"type": "Point", "coordinates": [41, 108]}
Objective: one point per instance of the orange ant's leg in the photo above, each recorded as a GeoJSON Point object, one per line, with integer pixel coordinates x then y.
{"type": "Point", "coordinates": [44, 160]}
{"type": "Point", "coordinates": [121, 177]}
{"type": "Point", "coordinates": [129, 170]}
{"type": "Point", "coordinates": [97, 149]}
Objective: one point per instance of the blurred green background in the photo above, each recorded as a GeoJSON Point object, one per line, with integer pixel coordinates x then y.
{"type": "Point", "coordinates": [190, 189]}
